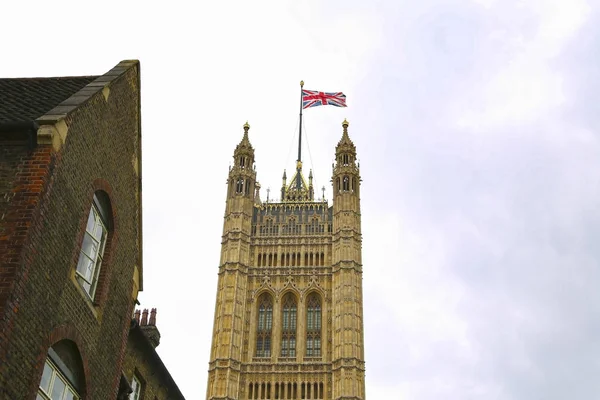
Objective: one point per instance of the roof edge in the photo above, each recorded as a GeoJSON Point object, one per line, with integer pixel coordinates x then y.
{"type": "Point", "coordinates": [137, 329]}
{"type": "Point", "coordinates": [52, 127]}
{"type": "Point", "coordinates": [63, 109]}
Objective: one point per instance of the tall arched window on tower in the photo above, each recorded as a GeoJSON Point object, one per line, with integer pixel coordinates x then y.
{"type": "Point", "coordinates": [288, 326]}
{"type": "Point", "coordinates": [346, 184]}
{"type": "Point", "coordinates": [239, 187]}
{"type": "Point", "coordinates": [313, 326]}
{"type": "Point", "coordinates": [264, 326]}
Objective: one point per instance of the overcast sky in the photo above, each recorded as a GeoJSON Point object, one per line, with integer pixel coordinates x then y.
{"type": "Point", "coordinates": [477, 128]}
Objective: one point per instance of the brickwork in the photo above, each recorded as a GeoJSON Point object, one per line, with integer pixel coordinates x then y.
{"type": "Point", "coordinates": [46, 195]}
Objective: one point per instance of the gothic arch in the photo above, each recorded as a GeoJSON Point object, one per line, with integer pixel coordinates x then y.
{"type": "Point", "coordinates": [314, 287]}
{"type": "Point", "coordinates": [264, 288]}
{"type": "Point", "coordinates": [64, 336]}
{"type": "Point", "coordinates": [289, 288]}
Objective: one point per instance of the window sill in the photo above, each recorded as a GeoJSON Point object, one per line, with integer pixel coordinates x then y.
{"type": "Point", "coordinates": [261, 359]}
{"type": "Point", "coordinates": [313, 359]}
{"type": "Point", "coordinates": [287, 359]}
{"type": "Point", "coordinates": [86, 297]}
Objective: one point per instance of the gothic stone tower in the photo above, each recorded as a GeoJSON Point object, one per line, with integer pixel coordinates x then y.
{"type": "Point", "coordinates": [288, 316]}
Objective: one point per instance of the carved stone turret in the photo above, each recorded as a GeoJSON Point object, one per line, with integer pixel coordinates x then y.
{"type": "Point", "coordinates": [348, 341]}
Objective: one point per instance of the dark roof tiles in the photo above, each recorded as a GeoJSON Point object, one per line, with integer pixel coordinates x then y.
{"type": "Point", "coordinates": [25, 99]}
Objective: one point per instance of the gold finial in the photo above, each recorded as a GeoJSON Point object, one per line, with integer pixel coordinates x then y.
{"type": "Point", "coordinates": [301, 83]}
{"type": "Point", "coordinates": [246, 126]}
{"type": "Point", "coordinates": [298, 164]}
{"type": "Point", "coordinates": [345, 123]}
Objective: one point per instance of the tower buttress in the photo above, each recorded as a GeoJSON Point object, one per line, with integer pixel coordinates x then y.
{"type": "Point", "coordinates": [348, 341]}
{"type": "Point", "coordinates": [226, 350]}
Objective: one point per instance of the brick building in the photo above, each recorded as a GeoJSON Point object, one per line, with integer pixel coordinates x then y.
{"type": "Point", "coordinates": [142, 366]}
{"type": "Point", "coordinates": [70, 233]}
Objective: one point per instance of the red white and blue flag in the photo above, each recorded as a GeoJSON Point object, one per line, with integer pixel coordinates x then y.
{"type": "Point", "coordinates": [313, 98]}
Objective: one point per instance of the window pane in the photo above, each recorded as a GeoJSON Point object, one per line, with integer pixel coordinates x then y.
{"type": "Point", "coordinates": [99, 232]}
{"type": "Point", "coordinates": [46, 377]}
{"type": "Point", "coordinates": [261, 319]}
{"type": "Point", "coordinates": [136, 386]}
{"type": "Point", "coordinates": [90, 222]}
{"type": "Point", "coordinates": [269, 318]}
{"type": "Point", "coordinates": [39, 397]}
{"type": "Point", "coordinates": [58, 388]}
{"type": "Point", "coordinates": [85, 285]}
{"type": "Point", "coordinates": [89, 246]}
{"type": "Point", "coordinates": [85, 267]}
{"type": "Point", "coordinates": [70, 395]}
{"type": "Point", "coordinates": [285, 319]}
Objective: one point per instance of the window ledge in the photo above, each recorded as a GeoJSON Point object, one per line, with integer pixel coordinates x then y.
{"type": "Point", "coordinates": [313, 359]}
{"type": "Point", "coordinates": [261, 359]}
{"type": "Point", "coordinates": [86, 297]}
{"type": "Point", "coordinates": [287, 359]}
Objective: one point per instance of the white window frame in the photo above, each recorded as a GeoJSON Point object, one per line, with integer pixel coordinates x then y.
{"type": "Point", "coordinates": [46, 393]}
{"type": "Point", "coordinates": [95, 223]}
{"type": "Point", "coordinates": [136, 385]}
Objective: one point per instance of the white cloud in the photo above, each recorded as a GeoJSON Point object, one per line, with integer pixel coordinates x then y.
{"type": "Point", "coordinates": [479, 160]}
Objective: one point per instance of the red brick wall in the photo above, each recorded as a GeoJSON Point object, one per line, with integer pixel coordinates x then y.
{"type": "Point", "coordinates": [44, 240]}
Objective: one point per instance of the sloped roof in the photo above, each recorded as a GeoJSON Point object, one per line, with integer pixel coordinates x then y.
{"type": "Point", "coordinates": [25, 99]}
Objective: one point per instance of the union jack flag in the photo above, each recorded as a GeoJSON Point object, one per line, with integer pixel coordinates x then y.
{"type": "Point", "coordinates": [313, 98]}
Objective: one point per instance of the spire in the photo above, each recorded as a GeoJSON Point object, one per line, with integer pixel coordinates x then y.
{"type": "Point", "coordinates": [245, 150]}
{"type": "Point", "coordinates": [245, 140]}
{"type": "Point", "coordinates": [345, 144]}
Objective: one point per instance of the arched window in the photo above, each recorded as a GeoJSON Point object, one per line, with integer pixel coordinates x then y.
{"type": "Point", "coordinates": [264, 326]}
{"type": "Point", "coordinates": [62, 377]}
{"type": "Point", "coordinates": [248, 183]}
{"type": "Point", "coordinates": [288, 326]}
{"type": "Point", "coordinates": [242, 161]}
{"type": "Point", "coordinates": [346, 184]}
{"type": "Point", "coordinates": [313, 326]}
{"type": "Point", "coordinates": [239, 186]}
{"type": "Point", "coordinates": [94, 243]}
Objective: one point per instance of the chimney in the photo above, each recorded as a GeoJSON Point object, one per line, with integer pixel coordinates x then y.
{"type": "Point", "coordinates": [152, 317]}
{"type": "Point", "coordinates": [149, 327]}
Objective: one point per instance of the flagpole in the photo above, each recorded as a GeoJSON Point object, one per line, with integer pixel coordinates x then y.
{"type": "Point", "coordinates": [299, 161]}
